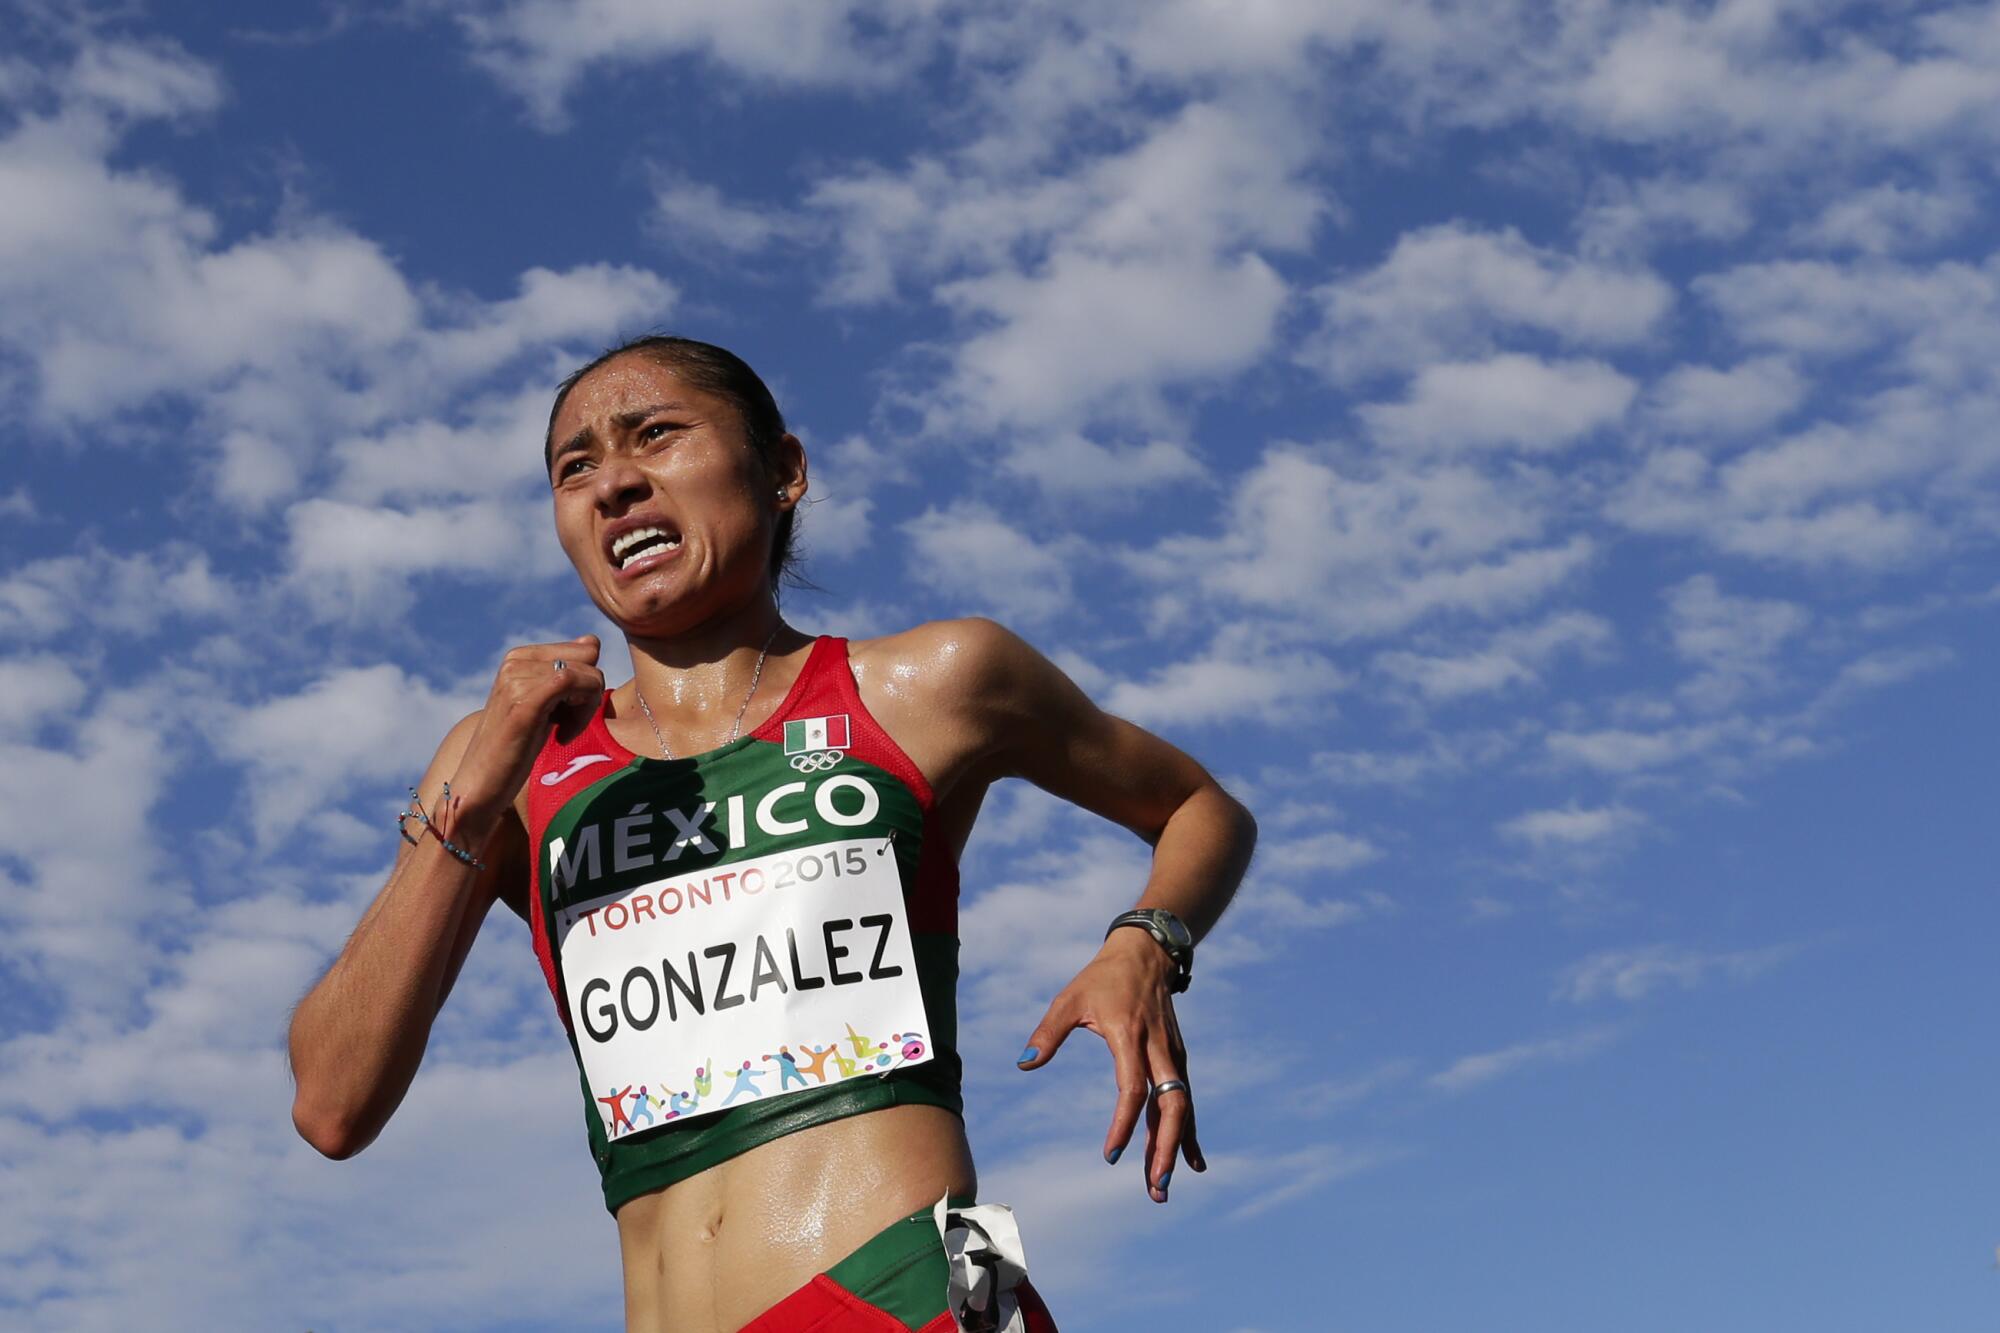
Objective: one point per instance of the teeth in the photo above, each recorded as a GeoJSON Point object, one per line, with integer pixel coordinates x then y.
{"type": "Point", "coordinates": [630, 544]}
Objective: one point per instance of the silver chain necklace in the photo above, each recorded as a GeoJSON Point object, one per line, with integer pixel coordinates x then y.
{"type": "Point", "coordinates": [735, 726]}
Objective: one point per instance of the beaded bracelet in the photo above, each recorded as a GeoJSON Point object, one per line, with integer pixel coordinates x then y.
{"type": "Point", "coordinates": [423, 816]}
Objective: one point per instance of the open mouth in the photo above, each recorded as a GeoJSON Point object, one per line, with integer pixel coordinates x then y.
{"type": "Point", "coordinates": [630, 548]}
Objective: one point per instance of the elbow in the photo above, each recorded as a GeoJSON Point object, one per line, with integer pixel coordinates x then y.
{"type": "Point", "coordinates": [336, 1129]}
{"type": "Point", "coordinates": [1242, 822]}
{"type": "Point", "coordinates": [331, 1136]}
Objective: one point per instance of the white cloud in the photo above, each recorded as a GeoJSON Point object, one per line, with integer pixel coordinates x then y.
{"type": "Point", "coordinates": [114, 293]}
{"type": "Point", "coordinates": [1473, 1070]}
{"type": "Point", "coordinates": [125, 594]}
{"type": "Point", "coordinates": [147, 81]}
{"type": "Point", "coordinates": [1621, 750]}
{"type": "Point", "coordinates": [1328, 852]}
{"type": "Point", "coordinates": [35, 690]}
{"type": "Point", "coordinates": [1354, 555]}
{"type": "Point", "coordinates": [1733, 639]}
{"type": "Point", "coordinates": [353, 559]}
{"type": "Point", "coordinates": [1507, 399]}
{"type": "Point", "coordinates": [695, 216]}
{"type": "Point", "coordinates": [1516, 655]}
{"type": "Point", "coordinates": [540, 49]}
{"type": "Point", "coordinates": [1781, 503]}
{"type": "Point", "coordinates": [1704, 401]}
{"type": "Point", "coordinates": [1570, 825]}
{"type": "Point", "coordinates": [1237, 678]}
{"type": "Point", "coordinates": [1627, 219]}
{"type": "Point", "coordinates": [352, 728]}
{"type": "Point", "coordinates": [1440, 757]}
{"type": "Point", "coordinates": [1450, 291]}
{"type": "Point", "coordinates": [495, 450]}
{"type": "Point", "coordinates": [1090, 332]}
{"type": "Point", "coordinates": [1090, 294]}
{"type": "Point", "coordinates": [1108, 476]}
{"type": "Point", "coordinates": [1632, 974]}
{"type": "Point", "coordinates": [968, 551]}
{"type": "Point", "coordinates": [1878, 670]}
{"type": "Point", "coordinates": [1887, 218]}
{"type": "Point", "coordinates": [74, 818]}
{"type": "Point", "coordinates": [1940, 322]}
{"type": "Point", "coordinates": [836, 527]}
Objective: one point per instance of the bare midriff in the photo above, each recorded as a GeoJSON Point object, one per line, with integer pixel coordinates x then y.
{"type": "Point", "coordinates": [712, 1252]}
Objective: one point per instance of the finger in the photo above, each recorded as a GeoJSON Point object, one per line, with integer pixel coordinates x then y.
{"type": "Point", "coordinates": [1190, 1143]}
{"type": "Point", "coordinates": [583, 648]}
{"type": "Point", "coordinates": [1168, 1115]}
{"type": "Point", "coordinates": [577, 701]}
{"type": "Point", "coordinates": [1132, 1089]}
{"type": "Point", "coordinates": [1152, 1147]}
{"type": "Point", "coordinates": [1048, 1036]}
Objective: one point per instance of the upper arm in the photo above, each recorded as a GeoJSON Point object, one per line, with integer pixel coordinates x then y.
{"type": "Point", "coordinates": [1035, 723]}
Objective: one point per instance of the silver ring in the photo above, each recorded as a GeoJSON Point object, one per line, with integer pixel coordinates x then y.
{"type": "Point", "coordinates": [1171, 1085]}
{"type": "Point", "coordinates": [561, 665]}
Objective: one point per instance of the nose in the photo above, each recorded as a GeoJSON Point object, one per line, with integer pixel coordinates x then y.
{"type": "Point", "coordinates": [620, 483]}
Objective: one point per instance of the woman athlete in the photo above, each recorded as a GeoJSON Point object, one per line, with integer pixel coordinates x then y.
{"type": "Point", "coordinates": [739, 872]}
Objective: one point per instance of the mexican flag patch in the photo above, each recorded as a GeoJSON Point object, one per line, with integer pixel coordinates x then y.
{"type": "Point", "coordinates": [816, 733]}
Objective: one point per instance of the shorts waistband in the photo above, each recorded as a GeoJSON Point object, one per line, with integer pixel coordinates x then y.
{"type": "Point", "coordinates": [902, 1268]}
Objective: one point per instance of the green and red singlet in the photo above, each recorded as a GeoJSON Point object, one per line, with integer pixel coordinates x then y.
{"type": "Point", "coordinates": [745, 942]}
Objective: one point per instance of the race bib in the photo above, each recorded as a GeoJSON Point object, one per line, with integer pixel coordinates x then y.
{"type": "Point", "coordinates": [751, 980]}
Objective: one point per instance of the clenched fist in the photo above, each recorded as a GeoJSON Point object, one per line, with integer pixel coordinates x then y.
{"type": "Point", "coordinates": [530, 693]}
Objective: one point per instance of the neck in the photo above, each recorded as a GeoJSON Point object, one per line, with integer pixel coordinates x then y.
{"type": "Point", "coordinates": [706, 668]}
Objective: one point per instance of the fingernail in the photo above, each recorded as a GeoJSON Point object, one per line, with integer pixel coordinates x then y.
{"type": "Point", "coordinates": [1113, 1156]}
{"type": "Point", "coordinates": [1164, 1179]}
{"type": "Point", "coordinates": [1027, 1054]}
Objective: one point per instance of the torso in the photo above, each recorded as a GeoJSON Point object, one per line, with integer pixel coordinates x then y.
{"type": "Point", "coordinates": [708, 1253]}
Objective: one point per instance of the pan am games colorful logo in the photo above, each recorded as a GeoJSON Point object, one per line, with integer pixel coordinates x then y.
{"type": "Point", "coordinates": [628, 1109]}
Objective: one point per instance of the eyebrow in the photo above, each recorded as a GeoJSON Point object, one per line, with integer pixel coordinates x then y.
{"type": "Point", "coordinates": [624, 421]}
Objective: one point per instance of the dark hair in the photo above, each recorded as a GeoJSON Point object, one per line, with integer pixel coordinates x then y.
{"type": "Point", "coordinates": [719, 371]}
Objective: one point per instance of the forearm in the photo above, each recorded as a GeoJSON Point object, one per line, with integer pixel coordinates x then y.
{"type": "Point", "coordinates": [1198, 861]}
{"type": "Point", "coordinates": [359, 1034]}
{"type": "Point", "coordinates": [1200, 857]}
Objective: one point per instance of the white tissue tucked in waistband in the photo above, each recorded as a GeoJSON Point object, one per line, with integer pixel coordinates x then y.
{"type": "Point", "coordinates": [983, 1247]}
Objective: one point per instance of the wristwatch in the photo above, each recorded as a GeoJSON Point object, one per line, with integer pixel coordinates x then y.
{"type": "Point", "coordinates": [1172, 934]}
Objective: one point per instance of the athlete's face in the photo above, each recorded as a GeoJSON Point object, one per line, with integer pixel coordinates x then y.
{"type": "Point", "coordinates": [660, 502]}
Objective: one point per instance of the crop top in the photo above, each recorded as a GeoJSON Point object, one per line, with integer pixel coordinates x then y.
{"type": "Point", "coordinates": [746, 942]}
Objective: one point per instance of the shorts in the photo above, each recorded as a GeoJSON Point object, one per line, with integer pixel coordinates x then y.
{"type": "Point", "coordinates": [894, 1283]}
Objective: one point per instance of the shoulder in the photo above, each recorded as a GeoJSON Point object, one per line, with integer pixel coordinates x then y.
{"type": "Point", "coordinates": [966, 661]}
{"type": "Point", "coordinates": [981, 690]}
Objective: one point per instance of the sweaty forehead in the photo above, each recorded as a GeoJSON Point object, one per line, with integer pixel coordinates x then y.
{"type": "Point", "coordinates": [620, 388]}
{"type": "Point", "coordinates": [621, 384]}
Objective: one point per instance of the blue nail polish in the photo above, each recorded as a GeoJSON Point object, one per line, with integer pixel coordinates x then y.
{"type": "Point", "coordinates": [1028, 1054]}
{"type": "Point", "coordinates": [1164, 1179]}
{"type": "Point", "coordinates": [1113, 1156]}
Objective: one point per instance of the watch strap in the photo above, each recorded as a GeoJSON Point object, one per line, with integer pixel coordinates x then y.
{"type": "Point", "coordinates": [1182, 955]}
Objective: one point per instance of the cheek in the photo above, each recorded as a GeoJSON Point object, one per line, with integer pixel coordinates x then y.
{"type": "Point", "coordinates": [572, 532]}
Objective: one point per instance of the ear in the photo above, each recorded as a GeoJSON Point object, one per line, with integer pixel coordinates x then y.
{"type": "Point", "coordinates": [791, 471]}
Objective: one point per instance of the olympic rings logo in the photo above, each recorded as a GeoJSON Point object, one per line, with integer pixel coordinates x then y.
{"type": "Point", "coordinates": [816, 761]}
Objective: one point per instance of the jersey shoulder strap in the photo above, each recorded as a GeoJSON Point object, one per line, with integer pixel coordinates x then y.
{"type": "Point", "coordinates": [825, 712]}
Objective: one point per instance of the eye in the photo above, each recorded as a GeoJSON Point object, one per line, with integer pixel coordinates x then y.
{"type": "Point", "coordinates": [568, 467]}
{"type": "Point", "coordinates": [655, 431]}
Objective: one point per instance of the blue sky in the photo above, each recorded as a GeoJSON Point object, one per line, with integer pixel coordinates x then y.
{"type": "Point", "coordinates": [1543, 459]}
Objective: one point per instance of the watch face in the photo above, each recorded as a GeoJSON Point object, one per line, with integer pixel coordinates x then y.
{"type": "Point", "coordinates": [1176, 931]}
